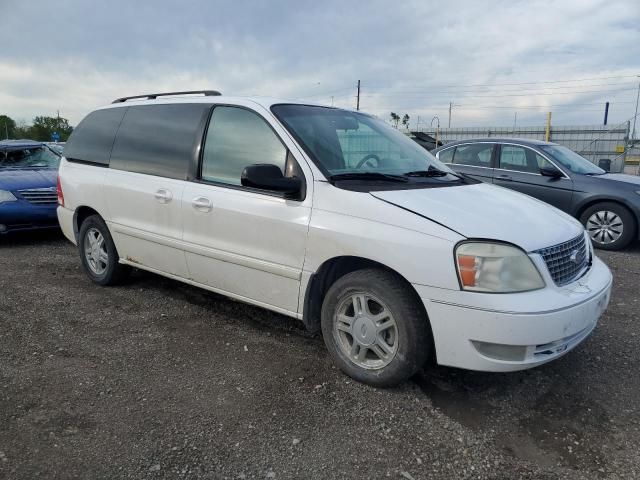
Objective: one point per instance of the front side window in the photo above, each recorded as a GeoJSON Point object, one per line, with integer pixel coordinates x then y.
{"type": "Point", "coordinates": [345, 143]}
{"type": "Point", "coordinates": [237, 138]}
{"type": "Point", "coordinates": [475, 155]}
{"type": "Point", "coordinates": [518, 159]}
{"type": "Point", "coordinates": [571, 160]}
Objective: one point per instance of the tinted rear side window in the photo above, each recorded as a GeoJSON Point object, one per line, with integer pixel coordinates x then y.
{"type": "Point", "coordinates": [92, 140]}
{"type": "Point", "coordinates": [159, 139]}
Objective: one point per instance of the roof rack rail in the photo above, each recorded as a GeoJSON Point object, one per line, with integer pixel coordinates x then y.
{"type": "Point", "coordinates": [153, 96]}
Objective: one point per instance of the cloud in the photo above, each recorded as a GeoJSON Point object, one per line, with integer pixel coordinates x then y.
{"type": "Point", "coordinates": [411, 56]}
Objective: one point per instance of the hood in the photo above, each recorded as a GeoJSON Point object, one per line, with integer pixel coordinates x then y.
{"type": "Point", "coordinates": [620, 177]}
{"type": "Point", "coordinates": [489, 212]}
{"type": "Point", "coordinates": [21, 178]}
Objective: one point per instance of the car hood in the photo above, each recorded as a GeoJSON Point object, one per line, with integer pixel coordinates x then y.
{"type": "Point", "coordinates": [619, 177]}
{"type": "Point", "coordinates": [489, 212]}
{"type": "Point", "coordinates": [21, 178]}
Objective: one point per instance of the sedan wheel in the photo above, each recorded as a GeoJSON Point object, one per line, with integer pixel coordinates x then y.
{"type": "Point", "coordinates": [610, 225]}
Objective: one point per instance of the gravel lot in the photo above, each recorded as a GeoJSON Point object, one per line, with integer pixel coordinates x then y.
{"type": "Point", "coordinates": [156, 379]}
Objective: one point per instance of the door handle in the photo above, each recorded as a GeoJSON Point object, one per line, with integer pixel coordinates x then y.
{"type": "Point", "coordinates": [163, 195]}
{"type": "Point", "coordinates": [506, 178]}
{"type": "Point", "coordinates": [202, 204]}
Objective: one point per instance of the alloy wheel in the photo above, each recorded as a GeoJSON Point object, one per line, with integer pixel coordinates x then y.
{"type": "Point", "coordinates": [366, 331]}
{"type": "Point", "coordinates": [95, 251]}
{"type": "Point", "coordinates": [605, 227]}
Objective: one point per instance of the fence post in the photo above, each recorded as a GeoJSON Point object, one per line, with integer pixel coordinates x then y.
{"type": "Point", "coordinates": [547, 133]}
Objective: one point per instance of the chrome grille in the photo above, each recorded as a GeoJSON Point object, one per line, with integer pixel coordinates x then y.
{"type": "Point", "coordinates": [567, 261]}
{"type": "Point", "coordinates": [40, 196]}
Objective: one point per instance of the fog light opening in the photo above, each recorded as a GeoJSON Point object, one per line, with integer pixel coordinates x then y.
{"type": "Point", "coordinates": [498, 351]}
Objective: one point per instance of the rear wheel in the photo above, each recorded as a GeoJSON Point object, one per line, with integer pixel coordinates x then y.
{"type": "Point", "coordinates": [610, 226]}
{"type": "Point", "coordinates": [375, 328]}
{"type": "Point", "coordinates": [98, 253]}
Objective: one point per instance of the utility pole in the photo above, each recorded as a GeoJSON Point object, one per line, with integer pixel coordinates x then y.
{"type": "Point", "coordinates": [606, 112]}
{"type": "Point", "coordinates": [450, 105]}
{"type": "Point", "coordinates": [358, 97]}
{"type": "Point", "coordinates": [515, 119]}
{"type": "Point", "coordinates": [547, 133]}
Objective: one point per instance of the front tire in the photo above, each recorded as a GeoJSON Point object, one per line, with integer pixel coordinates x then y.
{"type": "Point", "coordinates": [610, 225]}
{"type": "Point", "coordinates": [98, 253]}
{"type": "Point", "coordinates": [375, 327]}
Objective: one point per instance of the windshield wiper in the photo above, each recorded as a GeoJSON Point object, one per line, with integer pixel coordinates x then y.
{"type": "Point", "coordinates": [435, 172]}
{"type": "Point", "coordinates": [431, 172]}
{"type": "Point", "coordinates": [368, 176]}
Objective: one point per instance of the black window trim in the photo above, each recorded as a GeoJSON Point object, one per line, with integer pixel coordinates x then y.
{"type": "Point", "coordinates": [197, 178]}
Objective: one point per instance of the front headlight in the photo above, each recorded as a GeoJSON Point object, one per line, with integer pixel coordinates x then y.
{"type": "Point", "coordinates": [496, 268]}
{"type": "Point", "coordinates": [6, 196]}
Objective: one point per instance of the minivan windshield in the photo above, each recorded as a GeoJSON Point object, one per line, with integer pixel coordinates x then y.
{"type": "Point", "coordinates": [356, 146]}
{"type": "Point", "coordinates": [571, 160]}
{"type": "Point", "coordinates": [41, 156]}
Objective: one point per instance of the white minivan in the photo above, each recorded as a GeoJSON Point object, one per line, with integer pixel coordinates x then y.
{"type": "Point", "coordinates": [333, 217]}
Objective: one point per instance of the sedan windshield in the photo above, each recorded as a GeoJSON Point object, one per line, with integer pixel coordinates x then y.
{"type": "Point", "coordinates": [571, 160]}
{"type": "Point", "coordinates": [359, 147]}
{"type": "Point", "coordinates": [30, 157]}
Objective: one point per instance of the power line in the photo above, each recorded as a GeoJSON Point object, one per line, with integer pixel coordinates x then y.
{"type": "Point", "coordinates": [526, 89]}
{"type": "Point", "coordinates": [515, 84]}
{"type": "Point", "coordinates": [500, 96]}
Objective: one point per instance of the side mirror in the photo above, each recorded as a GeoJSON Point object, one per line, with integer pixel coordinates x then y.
{"type": "Point", "coordinates": [551, 171]}
{"type": "Point", "coordinates": [266, 176]}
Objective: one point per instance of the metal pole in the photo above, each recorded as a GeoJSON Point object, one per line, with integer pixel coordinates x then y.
{"type": "Point", "coordinates": [635, 117]}
{"type": "Point", "coordinates": [358, 101]}
{"type": "Point", "coordinates": [450, 105]}
{"type": "Point", "coordinates": [515, 119]}
{"type": "Point", "coordinates": [606, 112]}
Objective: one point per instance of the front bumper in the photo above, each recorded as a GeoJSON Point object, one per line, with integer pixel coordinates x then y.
{"type": "Point", "coordinates": [21, 215]}
{"type": "Point", "coordinates": [508, 332]}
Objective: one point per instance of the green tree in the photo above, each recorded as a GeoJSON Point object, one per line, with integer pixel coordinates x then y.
{"type": "Point", "coordinates": [43, 127]}
{"type": "Point", "coordinates": [22, 130]}
{"type": "Point", "coordinates": [405, 120]}
{"type": "Point", "coordinates": [7, 127]}
{"type": "Point", "coordinates": [395, 118]}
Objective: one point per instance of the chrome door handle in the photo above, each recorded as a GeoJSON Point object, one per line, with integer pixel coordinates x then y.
{"type": "Point", "coordinates": [202, 204]}
{"type": "Point", "coordinates": [163, 195]}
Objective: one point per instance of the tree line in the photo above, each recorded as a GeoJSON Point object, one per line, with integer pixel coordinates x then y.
{"type": "Point", "coordinates": [41, 128]}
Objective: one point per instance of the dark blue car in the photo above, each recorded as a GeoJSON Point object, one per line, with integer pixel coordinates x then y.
{"type": "Point", "coordinates": [28, 198]}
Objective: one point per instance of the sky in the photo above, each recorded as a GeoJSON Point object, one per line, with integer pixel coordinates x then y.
{"type": "Point", "coordinates": [496, 62]}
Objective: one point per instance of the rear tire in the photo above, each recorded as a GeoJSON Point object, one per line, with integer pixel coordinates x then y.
{"type": "Point", "coordinates": [375, 327]}
{"type": "Point", "coordinates": [610, 225]}
{"type": "Point", "coordinates": [98, 253]}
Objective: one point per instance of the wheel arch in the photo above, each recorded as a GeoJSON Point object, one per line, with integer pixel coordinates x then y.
{"type": "Point", "coordinates": [80, 214]}
{"type": "Point", "coordinates": [335, 268]}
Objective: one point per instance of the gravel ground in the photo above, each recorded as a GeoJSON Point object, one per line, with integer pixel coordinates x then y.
{"type": "Point", "coordinates": [156, 379]}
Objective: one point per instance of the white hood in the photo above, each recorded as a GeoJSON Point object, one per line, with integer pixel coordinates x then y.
{"type": "Point", "coordinates": [489, 212]}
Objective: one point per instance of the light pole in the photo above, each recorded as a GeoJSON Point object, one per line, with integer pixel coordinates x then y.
{"type": "Point", "coordinates": [435, 117]}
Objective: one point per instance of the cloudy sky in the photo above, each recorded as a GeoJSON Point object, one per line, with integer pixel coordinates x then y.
{"type": "Point", "coordinates": [494, 60]}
